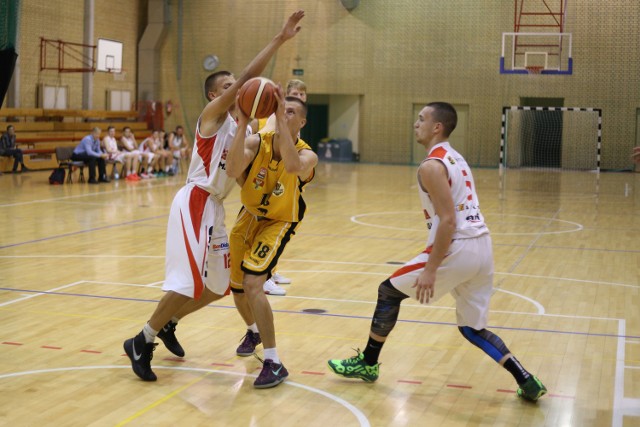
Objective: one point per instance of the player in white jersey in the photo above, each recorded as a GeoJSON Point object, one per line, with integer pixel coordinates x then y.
{"type": "Point", "coordinates": [458, 258]}
{"type": "Point", "coordinates": [197, 248]}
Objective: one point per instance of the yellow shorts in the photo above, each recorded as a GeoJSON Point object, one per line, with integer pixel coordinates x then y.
{"type": "Point", "coordinates": [256, 245]}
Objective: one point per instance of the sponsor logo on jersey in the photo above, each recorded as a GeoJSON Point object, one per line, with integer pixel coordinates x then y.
{"type": "Point", "coordinates": [473, 218]}
{"type": "Point", "coordinates": [453, 162]}
{"type": "Point", "coordinates": [216, 247]}
{"type": "Point", "coordinates": [223, 160]}
{"type": "Point", "coordinates": [258, 181]}
{"type": "Point", "coordinates": [279, 190]}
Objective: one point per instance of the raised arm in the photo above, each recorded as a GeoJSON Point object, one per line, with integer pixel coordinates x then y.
{"type": "Point", "coordinates": [243, 150]}
{"type": "Point", "coordinates": [220, 105]}
{"type": "Point", "coordinates": [297, 162]}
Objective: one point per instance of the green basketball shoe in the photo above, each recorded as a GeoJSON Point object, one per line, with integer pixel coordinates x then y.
{"type": "Point", "coordinates": [532, 389]}
{"type": "Point", "coordinates": [355, 367]}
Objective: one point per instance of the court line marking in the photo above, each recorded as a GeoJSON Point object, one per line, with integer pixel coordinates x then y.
{"type": "Point", "coordinates": [39, 293]}
{"type": "Point", "coordinates": [95, 194]}
{"type": "Point", "coordinates": [578, 226]}
{"type": "Point", "coordinates": [73, 233]}
{"type": "Point", "coordinates": [161, 400]}
{"type": "Point", "coordinates": [525, 253]}
{"type": "Point", "coordinates": [313, 261]}
{"type": "Point", "coordinates": [351, 316]}
{"type": "Point", "coordinates": [622, 406]}
{"type": "Point", "coordinates": [362, 419]}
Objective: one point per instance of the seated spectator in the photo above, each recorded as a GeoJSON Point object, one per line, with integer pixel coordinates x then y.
{"type": "Point", "coordinates": [148, 147]}
{"type": "Point", "coordinates": [129, 145]}
{"type": "Point", "coordinates": [163, 151]}
{"type": "Point", "coordinates": [110, 146]}
{"type": "Point", "coordinates": [8, 149]}
{"type": "Point", "coordinates": [88, 151]}
{"type": "Point", "coordinates": [178, 147]}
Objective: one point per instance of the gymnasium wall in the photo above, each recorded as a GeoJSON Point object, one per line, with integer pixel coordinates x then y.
{"type": "Point", "coordinates": [403, 52]}
{"type": "Point", "coordinates": [64, 20]}
{"type": "Point", "coordinates": [391, 53]}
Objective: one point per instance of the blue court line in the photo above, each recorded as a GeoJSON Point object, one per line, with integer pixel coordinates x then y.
{"type": "Point", "coordinates": [510, 245]}
{"type": "Point", "coordinates": [82, 231]}
{"type": "Point", "coordinates": [346, 316]}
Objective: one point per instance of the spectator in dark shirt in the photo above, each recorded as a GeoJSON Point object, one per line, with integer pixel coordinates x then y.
{"type": "Point", "coordinates": [8, 149]}
{"type": "Point", "coordinates": [89, 151]}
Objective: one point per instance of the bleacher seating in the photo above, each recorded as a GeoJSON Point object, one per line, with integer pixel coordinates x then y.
{"type": "Point", "coordinates": [39, 131]}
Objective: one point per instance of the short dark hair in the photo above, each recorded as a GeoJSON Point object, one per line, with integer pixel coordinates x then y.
{"type": "Point", "coordinates": [110, 127]}
{"type": "Point", "coordinates": [9, 127]}
{"type": "Point", "coordinates": [210, 82]}
{"type": "Point", "coordinates": [299, 101]}
{"type": "Point", "coordinates": [125, 128]}
{"type": "Point", "coordinates": [444, 113]}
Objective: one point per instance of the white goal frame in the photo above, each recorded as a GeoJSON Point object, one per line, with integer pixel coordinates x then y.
{"type": "Point", "coordinates": [504, 136]}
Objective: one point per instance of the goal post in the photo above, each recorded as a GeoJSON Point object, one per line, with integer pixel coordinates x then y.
{"type": "Point", "coordinates": [547, 138]}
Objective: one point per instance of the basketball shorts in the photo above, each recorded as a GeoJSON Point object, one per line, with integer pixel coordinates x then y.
{"type": "Point", "coordinates": [197, 253]}
{"type": "Point", "coordinates": [256, 245]}
{"type": "Point", "coordinates": [117, 157]}
{"type": "Point", "coordinates": [466, 273]}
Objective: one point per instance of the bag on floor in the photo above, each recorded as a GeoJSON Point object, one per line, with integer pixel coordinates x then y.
{"type": "Point", "coordinates": [57, 176]}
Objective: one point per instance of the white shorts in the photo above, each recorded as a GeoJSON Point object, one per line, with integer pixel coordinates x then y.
{"type": "Point", "coordinates": [466, 272]}
{"type": "Point", "coordinates": [197, 253]}
{"type": "Point", "coordinates": [117, 157]}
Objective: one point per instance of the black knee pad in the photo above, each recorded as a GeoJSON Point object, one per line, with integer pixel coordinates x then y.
{"type": "Point", "coordinates": [387, 309]}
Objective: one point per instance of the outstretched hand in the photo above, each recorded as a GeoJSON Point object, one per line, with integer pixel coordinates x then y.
{"type": "Point", "coordinates": [241, 117]}
{"type": "Point", "coordinates": [279, 94]}
{"type": "Point", "coordinates": [291, 27]}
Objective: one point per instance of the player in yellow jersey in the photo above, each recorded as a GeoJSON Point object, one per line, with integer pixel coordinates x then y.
{"type": "Point", "coordinates": [277, 166]}
{"type": "Point", "coordinates": [296, 88]}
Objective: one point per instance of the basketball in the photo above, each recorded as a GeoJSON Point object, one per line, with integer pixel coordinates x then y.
{"type": "Point", "coordinates": [257, 98]}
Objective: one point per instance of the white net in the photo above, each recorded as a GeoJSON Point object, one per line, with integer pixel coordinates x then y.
{"type": "Point", "coordinates": [561, 138]}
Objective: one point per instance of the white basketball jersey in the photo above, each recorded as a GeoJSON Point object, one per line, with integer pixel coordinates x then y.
{"type": "Point", "coordinates": [469, 220]}
{"type": "Point", "coordinates": [110, 144]}
{"type": "Point", "coordinates": [209, 159]}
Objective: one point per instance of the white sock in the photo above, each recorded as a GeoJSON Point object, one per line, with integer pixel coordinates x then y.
{"type": "Point", "coordinates": [149, 333]}
{"type": "Point", "coordinates": [253, 328]}
{"type": "Point", "coordinates": [271, 353]}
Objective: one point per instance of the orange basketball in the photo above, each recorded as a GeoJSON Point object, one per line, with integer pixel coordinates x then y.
{"type": "Point", "coordinates": [257, 98]}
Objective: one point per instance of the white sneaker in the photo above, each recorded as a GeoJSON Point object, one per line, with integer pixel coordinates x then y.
{"type": "Point", "coordinates": [280, 279]}
{"type": "Point", "coordinates": [270, 288]}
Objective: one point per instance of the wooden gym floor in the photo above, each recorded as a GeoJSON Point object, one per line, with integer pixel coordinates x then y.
{"type": "Point", "coordinates": [81, 267]}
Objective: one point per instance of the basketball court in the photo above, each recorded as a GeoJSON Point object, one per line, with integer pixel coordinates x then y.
{"type": "Point", "coordinates": [86, 275]}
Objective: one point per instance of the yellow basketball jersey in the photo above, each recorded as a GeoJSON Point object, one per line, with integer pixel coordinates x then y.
{"type": "Point", "coordinates": [269, 191]}
{"type": "Point", "coordinates": [262, 122]}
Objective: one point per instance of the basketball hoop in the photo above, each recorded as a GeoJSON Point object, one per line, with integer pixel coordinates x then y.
{"type": "Point", "coordinates": [534, 69]}
{"type": "Point", "coordinates": [119, 74]}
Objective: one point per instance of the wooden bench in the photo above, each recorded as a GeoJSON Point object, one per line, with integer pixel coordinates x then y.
{"type": "Point", "coordinates": [30, 126]}
{"type": "Point", "coordinates": [88, 126]}
{"type": "Point", "coordinates": [91, 115]}
{"type": "Point", "coordinates": [20, 112]}
{"type": "Point", "coordinates": [55, 114]}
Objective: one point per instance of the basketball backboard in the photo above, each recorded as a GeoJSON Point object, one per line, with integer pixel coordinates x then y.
{"type": "Point", "coordinates": [109, 56]}
{"type": "Point", "coordinates": [551, 51]}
